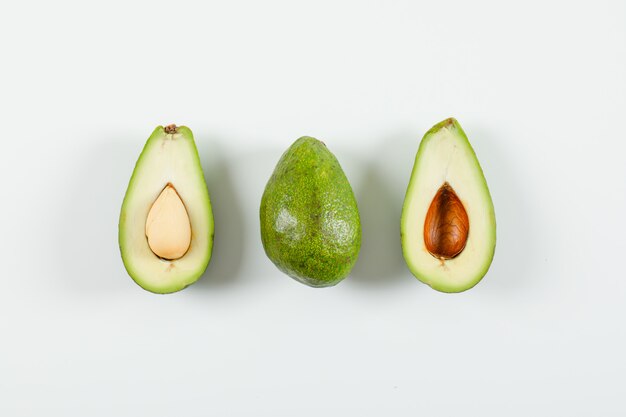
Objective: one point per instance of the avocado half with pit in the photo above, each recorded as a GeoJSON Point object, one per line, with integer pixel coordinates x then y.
{"type": "Point", "coordinates": [448, 222]}
{"type": "Point", "coordinates": [166, 221]}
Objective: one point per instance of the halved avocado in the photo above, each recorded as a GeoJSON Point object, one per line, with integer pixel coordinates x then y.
{"type": "Point", "coordinates": [448, 224]}
{"type": "Point", "coordinates": [166, 221]}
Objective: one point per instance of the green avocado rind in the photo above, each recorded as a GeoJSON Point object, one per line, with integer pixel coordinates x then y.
{"type": "Point", "coordinates": [137, 275]}
{"type": "Point", "coordinates": [310, 224]}
{"type": "Point", "coordinates": [443, 286]}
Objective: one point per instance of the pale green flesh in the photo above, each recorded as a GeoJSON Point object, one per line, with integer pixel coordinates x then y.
{"type": "Point", "coordinates": [445, 154]}
{"type": "Point", "coordinates": [166, 158]}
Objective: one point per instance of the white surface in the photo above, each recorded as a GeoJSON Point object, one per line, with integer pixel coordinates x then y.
{"type": "Point", "coordinates": [540, 89]}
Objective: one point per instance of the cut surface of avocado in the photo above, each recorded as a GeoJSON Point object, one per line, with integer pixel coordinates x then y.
{"type": "Point", "coordinates": [448, 224]}
{"type": "Point", "coordinates": [166, 221]}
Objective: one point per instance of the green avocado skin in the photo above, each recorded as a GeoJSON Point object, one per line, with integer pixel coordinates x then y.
{"type": "Point", "coordinates": [310, 225]}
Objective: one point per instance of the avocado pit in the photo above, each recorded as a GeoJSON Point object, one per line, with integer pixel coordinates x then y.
{"type": "Point", "coordinates": [168, 229]}
{"type": "Point", "coordinates": [446, 226]}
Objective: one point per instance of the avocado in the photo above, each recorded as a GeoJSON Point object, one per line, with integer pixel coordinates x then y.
{"type": "Point", "coordinates": [448, 226]}
{"type": "Point", "coordinates": [310, 225]}
{"type": "Point", "coordinates": [166, 221]}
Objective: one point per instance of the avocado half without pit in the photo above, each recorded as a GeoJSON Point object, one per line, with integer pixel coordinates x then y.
{"type": "Point", "coordinates": [448, 222]}
{"type": "Point", "coordinates": [166, 221]}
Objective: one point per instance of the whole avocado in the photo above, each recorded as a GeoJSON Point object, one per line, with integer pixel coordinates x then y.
{"type": "Point", "coordinates": [310, 225]}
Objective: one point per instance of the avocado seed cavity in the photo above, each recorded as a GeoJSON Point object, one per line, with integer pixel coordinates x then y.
{"type": "Point", "coordinates": [446, 226]}
{"type": "Point", "coordinates": [168, 228]}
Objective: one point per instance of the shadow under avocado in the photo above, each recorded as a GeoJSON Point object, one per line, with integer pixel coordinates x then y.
{"type": "Point", "coordinates": [380, 196]}
{"type": "Point", "coordinates": [515, 251]}
{"type": "Point", "coordinates": [228, 244]}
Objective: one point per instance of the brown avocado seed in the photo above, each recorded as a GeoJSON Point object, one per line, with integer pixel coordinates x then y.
{"type": "Point", "coordinates": [446, 226]}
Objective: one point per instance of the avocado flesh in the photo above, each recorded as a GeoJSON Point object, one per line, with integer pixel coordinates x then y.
{"type": "Point", "coordinates": [310, 225]}
{"type": "Point", "coordinates": [169, 157]}
{"type": "Point", "coordinates": [446, 156]}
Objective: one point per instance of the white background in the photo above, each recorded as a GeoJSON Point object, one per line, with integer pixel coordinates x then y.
{"type": "Point", "coordinates": [540, 89]}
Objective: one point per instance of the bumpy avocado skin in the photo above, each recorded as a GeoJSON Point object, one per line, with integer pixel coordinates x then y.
{"type": "Point", "coordinates": [310, 225]}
